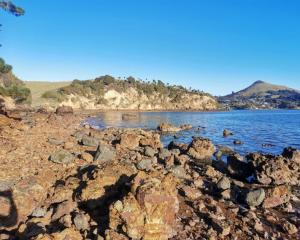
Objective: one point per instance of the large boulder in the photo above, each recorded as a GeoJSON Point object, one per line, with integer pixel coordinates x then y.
{"type": "Point", "coordinates": [149, 209]}
{"type": "Point", "coordinates": [276, 196]}
{"type": "Point", "coordinates": [201, 149]}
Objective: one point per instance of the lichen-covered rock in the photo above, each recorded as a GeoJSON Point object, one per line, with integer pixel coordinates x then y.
{"type": "Point", "coordinates": [89, 141]}
{"type": "Point", "coordinates": [149, 210]}
{"type": "Point", "coordinates": [255, 197]}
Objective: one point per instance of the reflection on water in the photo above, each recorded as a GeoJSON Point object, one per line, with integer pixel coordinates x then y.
{"type": "Point", "coordinates": [265, 131]}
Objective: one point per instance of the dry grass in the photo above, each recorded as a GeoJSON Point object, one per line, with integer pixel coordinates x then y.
{"type": "Point", "coordinates": [38, 88]}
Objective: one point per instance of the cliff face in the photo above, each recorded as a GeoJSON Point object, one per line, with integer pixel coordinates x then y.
{"type": "Point", "coordinates": [130, 95]}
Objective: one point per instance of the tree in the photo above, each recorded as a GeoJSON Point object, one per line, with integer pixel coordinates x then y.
{"type": "Point", "coordinates": [12, 8]}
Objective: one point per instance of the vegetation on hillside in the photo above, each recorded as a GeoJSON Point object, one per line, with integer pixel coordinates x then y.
{"type": "Point", "coordinates": [11, 86]}
{"type": "Point", "coordinates": [98, 86]}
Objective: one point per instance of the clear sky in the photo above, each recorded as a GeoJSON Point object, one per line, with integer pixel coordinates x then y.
{"type": "Point", "coordinates": [213, 45]}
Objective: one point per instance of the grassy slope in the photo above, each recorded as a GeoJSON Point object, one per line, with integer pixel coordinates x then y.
{"type": "Point", "coordinates": [38, 88]}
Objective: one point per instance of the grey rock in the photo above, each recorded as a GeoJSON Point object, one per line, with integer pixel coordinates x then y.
{"type": "Point", "coordinates": [237, 142]}
{"type": "Point", "coordinates": [81, 222]}
{"type": "Point", "coordinates": [149, 151]}
{"type": "Point", "coordinates": [164, 153]}
{"type": "Point", "coordinates": [89, 141]}
{"type": "Point", "coordinates": [104, 154]}
{"type": "Point", "coordinates": [179, 172]}
{"type": "Point", "coordinates": [62, 157]}
{"type": "Point", "coordinates": [255, 197]}
{"type": "Point", "coordinates": [145, 164]}
{"type": "Point", "coordinates": [78, 135]}
{"type": "Point", "coordinates": [224, 183]}
{"type": "Point", "coordinates": [55, 141]}
{"type": "Point", "coordinates": [39, 212]}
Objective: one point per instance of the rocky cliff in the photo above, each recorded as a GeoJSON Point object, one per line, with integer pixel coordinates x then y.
{"type": "Point", "coordinates": [130, 94]}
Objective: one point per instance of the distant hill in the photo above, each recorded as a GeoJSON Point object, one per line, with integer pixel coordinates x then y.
{"type": "Point", "coordinates": [107, 92]}
{"type": "Point", "coordinates": [262, 95]}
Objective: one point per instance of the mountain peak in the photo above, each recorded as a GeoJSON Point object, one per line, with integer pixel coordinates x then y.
{"type": "Point", "coordinates": [258, 82]}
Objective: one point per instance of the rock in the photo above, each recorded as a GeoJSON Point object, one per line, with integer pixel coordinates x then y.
{"type": "Point", "coordinates": [55, 141]}
{"type": "Point", "coordinates": [64, 208]}
{"type": "Point", "coordinates": [78, 135]}
{"type": "Point", "coordinates": [145, 164]}
{"type": "Point", "coordinates": [181, 146]}
{"type": "Point", "coordinates": [149, 151]}
{"type": "Point", "coordinates": [276, 196]}
{"type": "Point", "coordinates": [89, 141]}
{"type": "Point", "coordinates": [113, 235]}
{"type": "Point", "coordinates": [224, 183]}
{"type": "Point", "coordinates": [179, 172]}
{"type": "Point", "coordinates": [191, 192]}
{"type": "Point", "coordinates": [186, 127]}
{"type": "Point", "coordinates": [64, 110]}
{"type": "Point", "coordinates": [289, 228]}
{"type": "Point", "coordinates": [104, 154]}
{"type": "Point", "coordinates": [39, 212]}
{"type": "Point", "coordinates": [239, 168]}
{"type": "Point", "coordinates": [68, 233]}
{"type": "Point", "coordinates": [163, 154]}
{"type": "Point", "coordinates": [201, 149]}
{"type": "Point", "coordinates": [62, 157]}
{"type": "Point", "coordinates": [151, 139]}
{"type": "Point", "coordinates": [130, 140]}
{"type": "Point", "coordinates": [181, 159]}
{"type": "Point", "coordinates": [237, 142]}
{"type": "Point", "coordinates": [68, 145]}
{"type": "Point", "coordinates": [149, 210]}
{"type": "Point", "coordinates": [227, 133]}
{"type": "Point", "coordinates": [87, 157]}
{"type": "Point", "coordinates": [166, 127]}
{"type": "Point", "coordinates": [255, 197]}
{"type": "Point", "coordinates": [81, 222]}
{"type": "Point", "coordinates": [226, 150]}
{"type": "Point", "coordinates": [292, 154]}
{"type": "Point", "coordinates": [276, 170]}
{"type": "Point", "coordinates": [106, 183]}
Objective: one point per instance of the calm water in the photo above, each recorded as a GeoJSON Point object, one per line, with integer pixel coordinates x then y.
{"type": "Point", "coordinates": [278, 128]}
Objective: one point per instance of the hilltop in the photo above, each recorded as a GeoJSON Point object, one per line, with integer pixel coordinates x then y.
{"type": "Point", "coordinates": [109, 93]}
{"type": "Point", "coordinates": [262, 95]}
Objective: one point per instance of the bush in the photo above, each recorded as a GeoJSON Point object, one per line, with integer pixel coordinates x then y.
{"type": "Point", "coordinates": [54, 95]}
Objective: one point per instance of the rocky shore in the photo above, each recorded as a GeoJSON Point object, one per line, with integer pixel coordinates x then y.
{"type": "Point", "coordinates": [63, 180]}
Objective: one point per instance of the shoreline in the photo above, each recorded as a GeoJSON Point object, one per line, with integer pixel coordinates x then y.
{"type": "Point", "coordinates": [43, 184]}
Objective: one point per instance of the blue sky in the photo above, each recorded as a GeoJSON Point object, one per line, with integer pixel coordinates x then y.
{"type": "Point", "coordinates": [213, 45]}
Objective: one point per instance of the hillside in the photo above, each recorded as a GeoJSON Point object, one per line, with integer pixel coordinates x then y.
{"type": "Point", "coordinates": [11, 87]}
{"type": "Point", "coordinates": [262, 95]}
{"type": "Point", "coordinates": [109, 93]}
{"type": "Point", "coordinates": [38, 88]}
